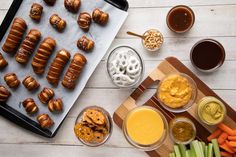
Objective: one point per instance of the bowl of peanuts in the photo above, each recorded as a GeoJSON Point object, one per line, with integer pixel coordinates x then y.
{"type": "Point", "coordinates": [152, 40]}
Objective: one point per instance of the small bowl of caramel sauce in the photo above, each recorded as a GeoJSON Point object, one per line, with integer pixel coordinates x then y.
{"type": "Point", "coordinates": [180, 19]}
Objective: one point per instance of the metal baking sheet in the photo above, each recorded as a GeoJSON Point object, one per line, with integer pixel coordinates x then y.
{"type": "Point", "coordinates": [102, 35]}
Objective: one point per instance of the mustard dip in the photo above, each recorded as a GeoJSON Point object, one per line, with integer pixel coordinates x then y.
{"type": "Point", "coordinates": [175, 91]}
{"type": "Point", "coordinates": [211, 110]}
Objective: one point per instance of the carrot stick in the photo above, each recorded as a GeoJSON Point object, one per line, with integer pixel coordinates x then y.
{"type": "Point", "coordinates": [229, 145]}
{"type": "Point", "coordinates": [226, 148]}
{"type": "Point", "coordinates": [223, 136]}
{"type": "Point", "coordinates": [232, 143]}
{"type": "Point", "coordinates": [234, 149]}
{"type": "Point", "coordinates": [225, 154]}
{"type": "Point", "coordinates": [232, 138]}
{"type": "Point", "coordinates": [215, 134]}
{"type": "Point", "coordinates": [227, 129]}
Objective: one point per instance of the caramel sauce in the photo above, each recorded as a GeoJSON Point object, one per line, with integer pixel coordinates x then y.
{"type": "Point", "coordinates": [207, 55]}
{"type": "Point", "coordinates": [180, 18]}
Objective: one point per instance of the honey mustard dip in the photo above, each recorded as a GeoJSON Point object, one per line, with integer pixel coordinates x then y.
{"type": "Point", "coordinates": [175, 91]}
{"type": "Point", "coordinates": [211, 110]}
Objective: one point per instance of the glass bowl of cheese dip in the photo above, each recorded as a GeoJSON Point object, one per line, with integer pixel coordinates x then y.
{"type": "Point", "coordinates": [145, 128]}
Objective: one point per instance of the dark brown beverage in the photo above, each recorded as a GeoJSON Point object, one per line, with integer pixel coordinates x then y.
{"type": "Point", "coordinates": [207, 55]}
{"type": "Point", "coordinates": [180, 19]}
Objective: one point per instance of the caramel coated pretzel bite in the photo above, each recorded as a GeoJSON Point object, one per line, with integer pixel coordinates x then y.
{"type": "Point", "coordinates": [72, 5]}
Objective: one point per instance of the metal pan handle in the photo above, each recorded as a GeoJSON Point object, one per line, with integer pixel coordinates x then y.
{"type": "Point", "coordinates": [23, 121]}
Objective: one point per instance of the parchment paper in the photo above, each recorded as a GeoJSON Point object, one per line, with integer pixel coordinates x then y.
{"type": "Point", "coordinates": [102, 35]}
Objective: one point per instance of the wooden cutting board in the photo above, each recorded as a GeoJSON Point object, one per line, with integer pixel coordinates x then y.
{"type": "Point", "coordinates": [168, 66]}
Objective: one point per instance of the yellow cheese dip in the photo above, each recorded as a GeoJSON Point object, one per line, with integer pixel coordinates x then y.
{"type": "Point", "coordinates": [175, 91]}
{"type": "Point", "coordinates": [211, 110]}
{"type": "Point", "coordinates": [144, 126]}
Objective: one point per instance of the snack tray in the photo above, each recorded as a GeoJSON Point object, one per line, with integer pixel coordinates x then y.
{"type": "Point", "coordinates": [169, 66]}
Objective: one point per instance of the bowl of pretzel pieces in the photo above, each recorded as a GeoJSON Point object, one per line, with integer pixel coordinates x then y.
{"type": "Point", "coordinates": [93, 126]}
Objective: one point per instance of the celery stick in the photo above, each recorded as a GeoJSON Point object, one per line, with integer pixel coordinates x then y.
{"type": "Point", "coordinates": [201, 148]}
{"type": "Point", "coordinates": [216, 148]}
{"type": "Point", "coordinates": [210, 150]}
{"type": "Point", "coordinates": [203, 144]}
{"type": "Point", "coordinates": [172, 155]}
{"type": "Point", "coordinates": [177, 151]}
{"type": "Point", "coordinates": [197, 148]}
{"type": "Point", "coordinates": [192, 152]}
{"type": "Point", "coordinates": [182, 149]}
{"type": "Point", "coordinates": [205, 150]}
{"type": "Point", "coordinates": [188, 153]}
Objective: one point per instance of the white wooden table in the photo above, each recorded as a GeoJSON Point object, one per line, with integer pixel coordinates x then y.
{"type": "Point", "coordinates": [214, 19]}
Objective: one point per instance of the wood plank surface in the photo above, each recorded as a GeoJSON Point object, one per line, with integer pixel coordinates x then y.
{"type": "Point", "coordinates": [143, 14]}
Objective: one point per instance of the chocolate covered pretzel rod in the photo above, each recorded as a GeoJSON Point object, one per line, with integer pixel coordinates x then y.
{"type": "Point", "coordinates": [15, 35]}
{"type": "Point", "coordinates": [76, 66]}
{"type": "Point", "coordinates": [28, 46]}
{"type": "Point", "coordinates": [57, 66]}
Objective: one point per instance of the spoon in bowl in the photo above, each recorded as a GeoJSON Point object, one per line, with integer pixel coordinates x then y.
{"type": "Point", "coordinates": [135, 34]}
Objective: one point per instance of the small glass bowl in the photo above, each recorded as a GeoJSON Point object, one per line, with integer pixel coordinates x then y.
{"type": "Point", "coordinates": [176, 8]}
{"type": "Point", "coordinates": [206, 100]}
{"type": "Point", "coordinates": [109, 125]}
{"type": "Point", "coordinates": [129, 51]}
{"type": "Point", "coordinates": [141, 146]}
{"type": "Point", "coordinates": [220, 46]}
{"type": "Point", "coordinates": [177, 120]}
{"type": "Point", "coordinates": [160, 37]}
{"type": "Point", "coordinates": [192, 99]}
